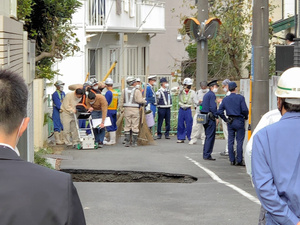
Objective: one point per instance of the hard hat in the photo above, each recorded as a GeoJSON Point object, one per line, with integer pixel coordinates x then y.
{"type": "Point", "coordinates": [138, 79]}
{"type": "Point", "coordinates": [109, 81]}
{"type": "Point", "coordinates": [130, 80]}
{"type": "Point", "coordinates": [93, 81]}
{"type": "Point", "coordinates": [88, 83]}
{"type": "Point", "coordinates": [187, 81]}
{"type": "Point", "coordinates": [163, 80]}
{"type": "Point", "coordinates": [153, 77]}
{"type": "Point", "coordinates": [58, 83]}
{"type": "Point", "coordinates": [289, 84]}
{"type": "Point", "coordinates": [226, 82]}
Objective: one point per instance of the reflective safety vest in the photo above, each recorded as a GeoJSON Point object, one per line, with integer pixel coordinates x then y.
{"type": "Point", "coordinates": [129, 98]}
{"type": "Point", "coordinates": [114, 103]}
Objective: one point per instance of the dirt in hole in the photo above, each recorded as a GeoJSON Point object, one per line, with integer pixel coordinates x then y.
{"type": "Point", "coordinates": [128, 176]}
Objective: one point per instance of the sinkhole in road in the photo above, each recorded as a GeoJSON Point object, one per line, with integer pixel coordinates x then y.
{"type": "Point", "coordinates": [80, 175]}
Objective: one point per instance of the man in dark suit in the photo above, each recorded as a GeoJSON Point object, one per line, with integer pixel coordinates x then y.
{"type": "Point", "coordinates": [29, 194]}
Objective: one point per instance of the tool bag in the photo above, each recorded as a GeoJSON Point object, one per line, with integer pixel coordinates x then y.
{"type": "Point", "coordinates": [202, 118]}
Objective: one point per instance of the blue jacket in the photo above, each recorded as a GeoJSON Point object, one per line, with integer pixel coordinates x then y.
{"type": "Point", "coordinates": [150, 95]}
{"type": "Point", "coordinates": [276, 169]}
{"type": "Point", "coordinates": [209, 103]}
{"type": "Point", "coordinates": [57, 99]}
{"type": "Point", "coordinates": [235, 105]}
{"type": "Point", "coordinates": [109, 97]}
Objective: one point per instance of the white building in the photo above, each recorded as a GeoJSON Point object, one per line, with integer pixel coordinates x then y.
{"type": "Point", "coordinates": [113, 30]}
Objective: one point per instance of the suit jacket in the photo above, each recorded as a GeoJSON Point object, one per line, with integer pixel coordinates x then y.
{"type": "Point", "coordinates": [35, 195]}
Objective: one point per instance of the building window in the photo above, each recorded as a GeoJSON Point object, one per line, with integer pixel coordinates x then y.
{"type": "Point", "coordinates": [92, 62]}
{"type": "Point", "coordinates": [113, 56]}
{"type": "Point", "coordinates": [132, 64]}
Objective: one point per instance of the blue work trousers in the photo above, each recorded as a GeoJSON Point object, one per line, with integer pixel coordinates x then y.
{"type": "Point", "coordinates": [163, 114]}
{"type": "Point", "coordinates": [57, 125]}
{"type": "Point", "coordinates": [112, 114]}
{"type": "Point", "coordinates": [210, 134]}
{"type": "Point", "coordinates": [236, 130]}
{"type": "Point", "coordinates": [185, 124]}
{"type": "Point", "coordinates": [98, 132]}
{"type": "Point", "coordinates": [153, 109]}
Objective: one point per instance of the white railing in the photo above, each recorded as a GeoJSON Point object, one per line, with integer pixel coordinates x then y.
{"type": "Point", "coordinates": [113, 15]}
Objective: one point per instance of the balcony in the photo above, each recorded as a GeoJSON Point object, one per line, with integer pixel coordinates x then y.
{"type": "Point", "coordinates": [143, 16]}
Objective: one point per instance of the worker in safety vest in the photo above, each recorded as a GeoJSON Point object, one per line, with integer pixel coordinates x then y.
{"type": "Point", "coordinates": [57, 98]}
{"type": "Point", "coordinates": [112, 100]}
{"type": "Point", "coordinates": [131, 98]}
{"type": "Point", "coordinates": [96, 87]}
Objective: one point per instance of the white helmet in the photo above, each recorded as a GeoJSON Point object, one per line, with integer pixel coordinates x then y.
{"type": "Point", "coordinates": [130, 80]}
{"type": "Point", "coordinates": [109, 81]}
{"type": "Point", "coordinates": [289, 85]}
{"type": "Point", "coordinates": [93, 81]}
{"type": "Point", "coordinates": [187, 81]}
{"type": "Point", "coordinates": [59, 83]}
{"type": "Point", "coordinates": [138, 79]}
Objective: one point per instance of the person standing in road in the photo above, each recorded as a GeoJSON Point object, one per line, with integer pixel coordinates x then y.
{"type": "Point", "coordinates": [164, 104]}
{"type": "Point", "coordinates": [198, 129]}
{"type": "Point", "coordinates": [150, 94]}
{"type": "Point", "coordinates": [30, 194]}
{"type": "Point", "coordinates": [130, 105]}
{"type": "Point", "coordinates": [186, 100]}
{"type": "Point", "coordinates": [97, 106]}
{"type": "Point", "coordinates": [275, 156]}
{"type": "Point", "coordinates": [237, 112]}
{"type": "Point", "coordinates": [112, 99]}
{"type": "Point", "coordinates": [57, 98]}
{"type": "Point", "coordinates": [224, 124]}
{"type": "Point", "coordinates": [68, 108]}
{"type": "Point", "coordinates": [209, 107]}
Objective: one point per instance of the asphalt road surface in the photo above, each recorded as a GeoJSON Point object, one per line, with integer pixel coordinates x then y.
{"type": "Point", "coordinates": [223, 194]}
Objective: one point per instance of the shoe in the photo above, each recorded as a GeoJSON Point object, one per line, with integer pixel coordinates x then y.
{"type": "Point", "coordinates": [232, 163]}
{"type": "Point", "coordinates": [224, 153]}
{"type": "Point", "coordinates": [167, 137]}
{"type": "Point", "coordinates": [191, 142]}
{"type": "Point", "coordinates": [100, 145]}
{"type": "Point", "coordinates": [210, 158]}
{"type": "Point", "coordinates": [180, 141]}
{"type": "Point", "coordinates": [240, 164]}
{"type": "Point", "coordinates": [158, 136]}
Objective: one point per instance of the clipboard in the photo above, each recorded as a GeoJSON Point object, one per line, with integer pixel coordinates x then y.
{"type": "Point", "coordinates": [97, 122]}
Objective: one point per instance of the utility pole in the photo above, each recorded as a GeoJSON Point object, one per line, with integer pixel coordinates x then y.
{"type": "Point", "coordinates": [260, 43]}
{"type": "Point", "coordinates": [202, 50]}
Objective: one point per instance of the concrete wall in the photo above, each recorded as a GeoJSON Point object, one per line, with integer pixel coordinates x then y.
{"type": "Point", "coordinates": [165, 50]}
{"type": "Point", "coordinates": [40, 108]}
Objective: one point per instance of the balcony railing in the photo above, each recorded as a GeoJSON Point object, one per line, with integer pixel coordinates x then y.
{"type": "Point", "coordinates": [128, 15]}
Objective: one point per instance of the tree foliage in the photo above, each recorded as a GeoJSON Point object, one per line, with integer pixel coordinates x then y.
{"type": "Point", "coordinates": [228, 53]}
{"type": "Point", "coordinates": [48, 22]}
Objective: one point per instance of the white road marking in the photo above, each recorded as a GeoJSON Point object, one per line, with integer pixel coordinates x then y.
{"type": "Point", "coordinates": [219, 180]}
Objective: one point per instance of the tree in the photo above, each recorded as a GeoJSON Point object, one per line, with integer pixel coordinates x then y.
{"type": "Point", "coordinates": [228, 53]}
{"type": "Point", "coordinates": [48, 22]}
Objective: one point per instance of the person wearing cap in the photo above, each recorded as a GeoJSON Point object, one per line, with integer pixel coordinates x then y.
{"type": "Point", "coordinates": [150, 94]}
{"type": "Point", "coordinates": [237, 112]}
{"type": "Point", "coordinates": [186, 98]}
{"type": "Point", "coordinates": [164, 104]}
{"type": "Point", "coordinates": [198, 129]}
{"type": "Point", "coordinates": [209, 107]}
{"type": "Point", "coordinates": [275, 156]}
{"type": "Point", "coordinates": [290, 39]}
{"type": "Point", "coordinates": [68, 109]}
{"type": "Point", "coordinates": [111, 96]}
{"type": "Point", "coordinates": [224, 124]}
{"type": "Point", "coordinates": [57, 98]}
{"type": "Point", "coordinates": [130, 103]}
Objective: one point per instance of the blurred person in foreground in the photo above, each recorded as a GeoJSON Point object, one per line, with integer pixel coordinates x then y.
{"type": "Point", "coordinates": [30, 194]}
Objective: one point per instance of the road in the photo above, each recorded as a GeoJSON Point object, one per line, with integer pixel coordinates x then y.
{"type": "Point", "coordinates": [223, 194]}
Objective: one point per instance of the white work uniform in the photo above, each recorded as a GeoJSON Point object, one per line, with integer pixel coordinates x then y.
{"type": "Point", "coordinates": [198, 129]}
{"type": "Point", "coordinates": [267, 119]}
{"type": "Point", "coordinates": [225, 129]}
